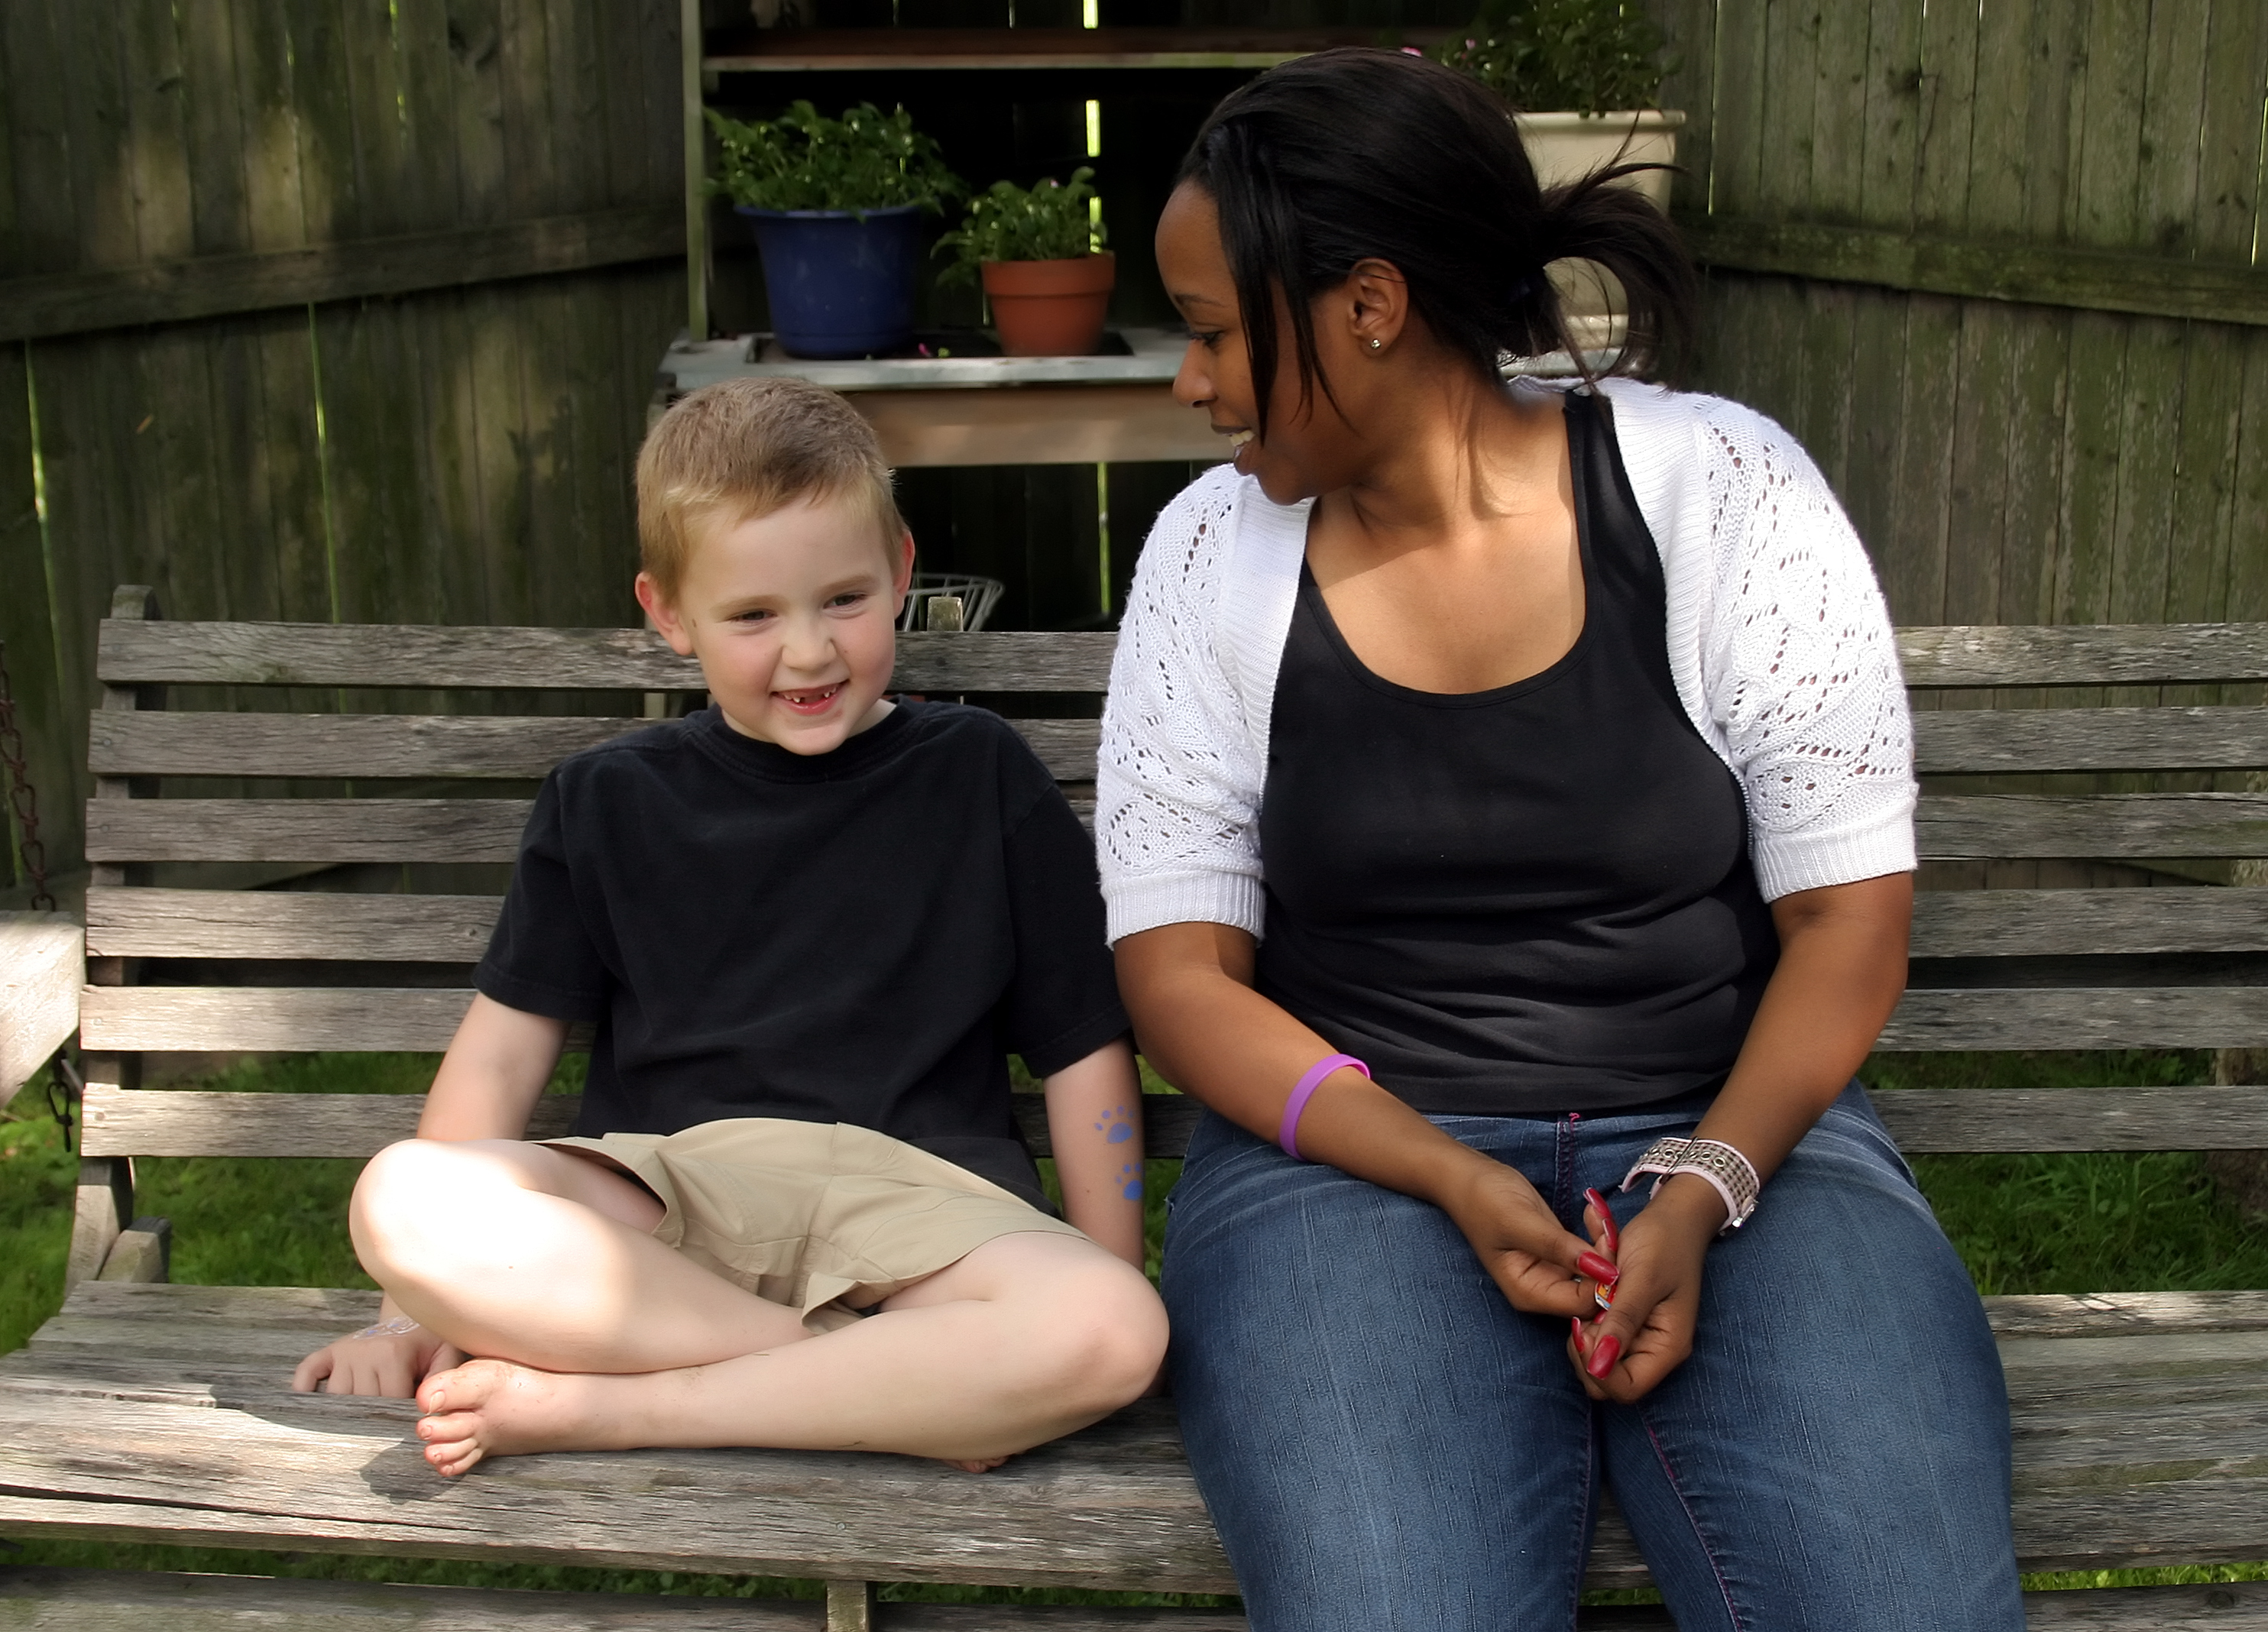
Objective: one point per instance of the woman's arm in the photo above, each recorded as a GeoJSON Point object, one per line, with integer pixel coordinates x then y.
{"type": "Point", "coordinates": [1094, 1122]}
{"type": "Point", "coordinates": [1188, 986]}
{"type": "Point", "coordinates": [1842, 967]}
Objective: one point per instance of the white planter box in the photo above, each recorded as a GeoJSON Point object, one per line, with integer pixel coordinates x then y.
{"type": "Point", "coordinates": [1565, 147]}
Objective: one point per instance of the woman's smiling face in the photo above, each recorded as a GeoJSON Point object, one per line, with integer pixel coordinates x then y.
{"type": "Point", "coordinates": [1309, 448]}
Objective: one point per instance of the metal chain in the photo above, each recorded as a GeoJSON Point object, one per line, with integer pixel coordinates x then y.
{"type": "Point", "coordinates": [66, 1088]}
{"type": "Point", "coordinates": [23, 798]}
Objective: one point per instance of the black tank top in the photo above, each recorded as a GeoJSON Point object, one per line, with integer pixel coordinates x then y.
{"type": "Point", "coordinates": [1524, 901]}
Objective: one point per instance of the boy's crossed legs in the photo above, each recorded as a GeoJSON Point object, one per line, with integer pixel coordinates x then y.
{"type": "Point", "coordinates": [601, 1337]}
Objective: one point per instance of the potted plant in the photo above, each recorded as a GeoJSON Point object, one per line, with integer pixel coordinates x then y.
{"type": "Point", "coordinates": [837, 204]}
{"type": "Point", "coordinates": [1592, 70]}
{"type": "Point", "coordinates": [1044, 269]}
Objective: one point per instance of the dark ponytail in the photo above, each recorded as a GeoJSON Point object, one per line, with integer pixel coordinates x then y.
{"type": "Point", "coordinates": [1354, 153]}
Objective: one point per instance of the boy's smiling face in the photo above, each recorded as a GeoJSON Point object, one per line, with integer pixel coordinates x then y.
{"type": "Point", "coordinates": [794, 616]}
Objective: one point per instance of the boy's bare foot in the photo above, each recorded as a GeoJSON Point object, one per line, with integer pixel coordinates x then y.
{"type": "Point", "coordinates": [493, 1407]}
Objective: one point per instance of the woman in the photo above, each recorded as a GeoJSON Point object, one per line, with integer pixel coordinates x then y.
{"type": "Point", "coordinates": [1502, 787]}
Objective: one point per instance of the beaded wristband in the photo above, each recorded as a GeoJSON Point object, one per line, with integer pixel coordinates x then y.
{"type": "Point", "coordinates": [1722, 1167]}
{"type": "Point", "coordinates": [1287, 1131]}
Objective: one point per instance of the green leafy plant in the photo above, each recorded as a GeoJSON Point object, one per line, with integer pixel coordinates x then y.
{"type": "Point", "coordinates": [1050, 221]}
{"type": "Point", "coordinates": [866, 160]}
{"type": "Point", "coordinates": [1585, 57]}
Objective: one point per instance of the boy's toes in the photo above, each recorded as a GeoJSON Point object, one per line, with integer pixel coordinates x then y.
{"type": "Point", "coordinates": [453, 1459]}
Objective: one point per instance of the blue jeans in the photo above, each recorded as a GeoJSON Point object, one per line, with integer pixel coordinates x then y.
{"type": "Point", "coordinates": [1385, 1442]}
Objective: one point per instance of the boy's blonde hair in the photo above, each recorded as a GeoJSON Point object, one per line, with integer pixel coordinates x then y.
{"type": "Point", "coordinates": [748, 447]}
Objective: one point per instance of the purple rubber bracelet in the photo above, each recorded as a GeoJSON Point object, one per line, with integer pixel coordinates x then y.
{"type": "Point", "coordinates": [1287, 1134]}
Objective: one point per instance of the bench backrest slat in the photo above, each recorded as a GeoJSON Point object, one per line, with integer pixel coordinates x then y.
{"type": "Point", "coordinates": [286, 923]}
{"type": "Point", "coordinates": [444, 929]}
{"type": "Point", "coordinates": [1947, 828]}
{"type": "Point", "coordinates": [130, 652]}
{"type": "Point", "coordinates": [1962, 657]}
{"type": "Point", "coordinates": [190, 1122]}
{"type": "Point", "coordinates": [382, 746]}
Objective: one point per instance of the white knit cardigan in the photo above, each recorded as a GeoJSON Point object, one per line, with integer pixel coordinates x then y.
{"type": "Point", "coordinates": [1777, 638]}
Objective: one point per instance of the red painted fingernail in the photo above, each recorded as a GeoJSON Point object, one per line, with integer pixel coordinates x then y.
{"type": "Point", "coordinates": [1603, 1357]}
{"type": "Point", "coordinates": [1597, 1267]}
{"type": "Point", "coordinates": [1576, 1321]}
{"type": "Point", "coordinates": [1606, 1219]}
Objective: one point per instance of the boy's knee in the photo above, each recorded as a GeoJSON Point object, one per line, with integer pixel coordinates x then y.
{"type": "Point", "coordinates": [413, 1196]}
{"type": "Point", "coordinates": [1111, 1332]}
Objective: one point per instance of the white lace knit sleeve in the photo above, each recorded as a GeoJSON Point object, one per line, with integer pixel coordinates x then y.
{"type": "Point", "coordinates": [1799, 665]}
{"type": "Point", "coordinates": [1178, 781]}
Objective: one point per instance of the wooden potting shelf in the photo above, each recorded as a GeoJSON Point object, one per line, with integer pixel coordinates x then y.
{"type": "Point", "coordinates": [964, 409]}
{"type": "Point", "coordinates": [825, 50]}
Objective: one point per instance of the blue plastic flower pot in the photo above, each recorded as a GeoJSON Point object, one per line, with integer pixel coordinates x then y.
{"type": "Point", "coordinates": [840, 286]}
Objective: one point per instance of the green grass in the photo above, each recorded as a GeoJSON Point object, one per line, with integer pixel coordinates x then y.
{"type": "Point", "coordinates": [2022, 1224]}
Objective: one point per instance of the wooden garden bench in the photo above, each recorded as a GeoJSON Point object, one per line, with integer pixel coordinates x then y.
{"type": "Point", "coordinates": [151, 1412]}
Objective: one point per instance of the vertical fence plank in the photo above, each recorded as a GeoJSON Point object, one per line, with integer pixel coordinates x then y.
{"type": "Point", "coordinates": [156, 131]}
{"type": "Point", "coordinates": [1737, 138]}
{"type": "Point", "coordinates": [1689, 33]}
{"type": "Point", "coordinates": [49, 696]}
{"type": "Point", "coordinates": [377, 133]}
{"type": "Point", "coordinates": [215, 131]}
{"type": "Point", "coordinates": [2248, 554]}
{"type": "Point", "coordinates": [1893, 127]}
{"type": "Point", "coordinates": [2031, 532]}
{"type": "Point", "coordinates": [2229, 154]}
{"type": "Point", "coordinates": [269, 161]}
{"type": "Point", "coordinates": [1791, 97]}
{"type": "Point", "coordinates": [476, 103]}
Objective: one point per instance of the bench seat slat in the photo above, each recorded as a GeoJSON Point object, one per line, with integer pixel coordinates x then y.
{"type": "Point", "coordinates": [2113, 1466]}
{"type": "Point", "coordinates": [286, 923]}
{"type": "Point", "coordinates": [1957, 656]}
{"type": "Point", "coordinates": [190, 1122]}
{"type": "Point", "coordinates": [157, 743]}
{"type": "Point", "coordinates": [397, 656]}
{"type": "Point", "coordinates": [453, 929]}
{"type": "Point", "coordinates": [104, 1600]}
{"type": "Point", "coordinates": [1996, 740]}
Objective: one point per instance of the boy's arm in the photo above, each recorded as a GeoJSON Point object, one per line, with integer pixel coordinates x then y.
{"type": "Point", "coordinates": [1095, 1121]}
{"type": "Point", "coordinates": [489, 1080]}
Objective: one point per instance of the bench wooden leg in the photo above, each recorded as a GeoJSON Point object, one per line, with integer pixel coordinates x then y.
{"type": "Point", "coordinates": [145, 1252]}
{"type": "Point", "coordinates": [849, 1607]}
{"type": "Point", "coordinates": [105, 1211]}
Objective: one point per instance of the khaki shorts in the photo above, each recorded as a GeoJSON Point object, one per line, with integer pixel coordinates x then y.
{"type": "Point", "coordinates": [823, 1217]}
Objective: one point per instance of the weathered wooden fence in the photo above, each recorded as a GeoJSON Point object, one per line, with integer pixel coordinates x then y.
{"type": "Point", "coordinates": [348, 308]}
{"type": "Point", "coordinates": [1997, 264]}
{"type": "Point", "coordinates": [397, 273]}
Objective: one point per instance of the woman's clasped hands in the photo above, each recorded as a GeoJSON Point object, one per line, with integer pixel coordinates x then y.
{"type": "Point", "coordinates": [1631, 1294]}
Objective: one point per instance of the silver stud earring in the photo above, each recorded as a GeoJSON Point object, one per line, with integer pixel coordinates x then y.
{"type": "Point", "coordinates": [1375, 345]}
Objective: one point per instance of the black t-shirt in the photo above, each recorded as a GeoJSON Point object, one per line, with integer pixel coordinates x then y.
{"type": "Point", "coordinates": [1520, 901]}
{"type": "Point", "coordinates": [859, 936]}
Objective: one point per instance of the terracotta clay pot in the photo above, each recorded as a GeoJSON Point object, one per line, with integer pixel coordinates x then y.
{"type": "Point", "coordinates": [1050, 308]}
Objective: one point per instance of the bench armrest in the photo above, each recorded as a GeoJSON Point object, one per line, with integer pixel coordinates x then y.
{"type": "Point", "coordinates": [43, 966]}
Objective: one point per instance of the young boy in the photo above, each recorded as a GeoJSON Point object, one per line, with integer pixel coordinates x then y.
{"type": "Point", "coordinates": [810, 924]}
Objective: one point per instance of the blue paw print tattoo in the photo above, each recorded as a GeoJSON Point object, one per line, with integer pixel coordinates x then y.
{"type": "Point", "coordinates": [1117, 1126]}
{"type": "Point", "coordinates": [1132, 1190]}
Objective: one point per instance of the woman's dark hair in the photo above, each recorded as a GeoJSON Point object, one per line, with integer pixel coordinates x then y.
{"type": "Point", "coordinates": [1354, 153]}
